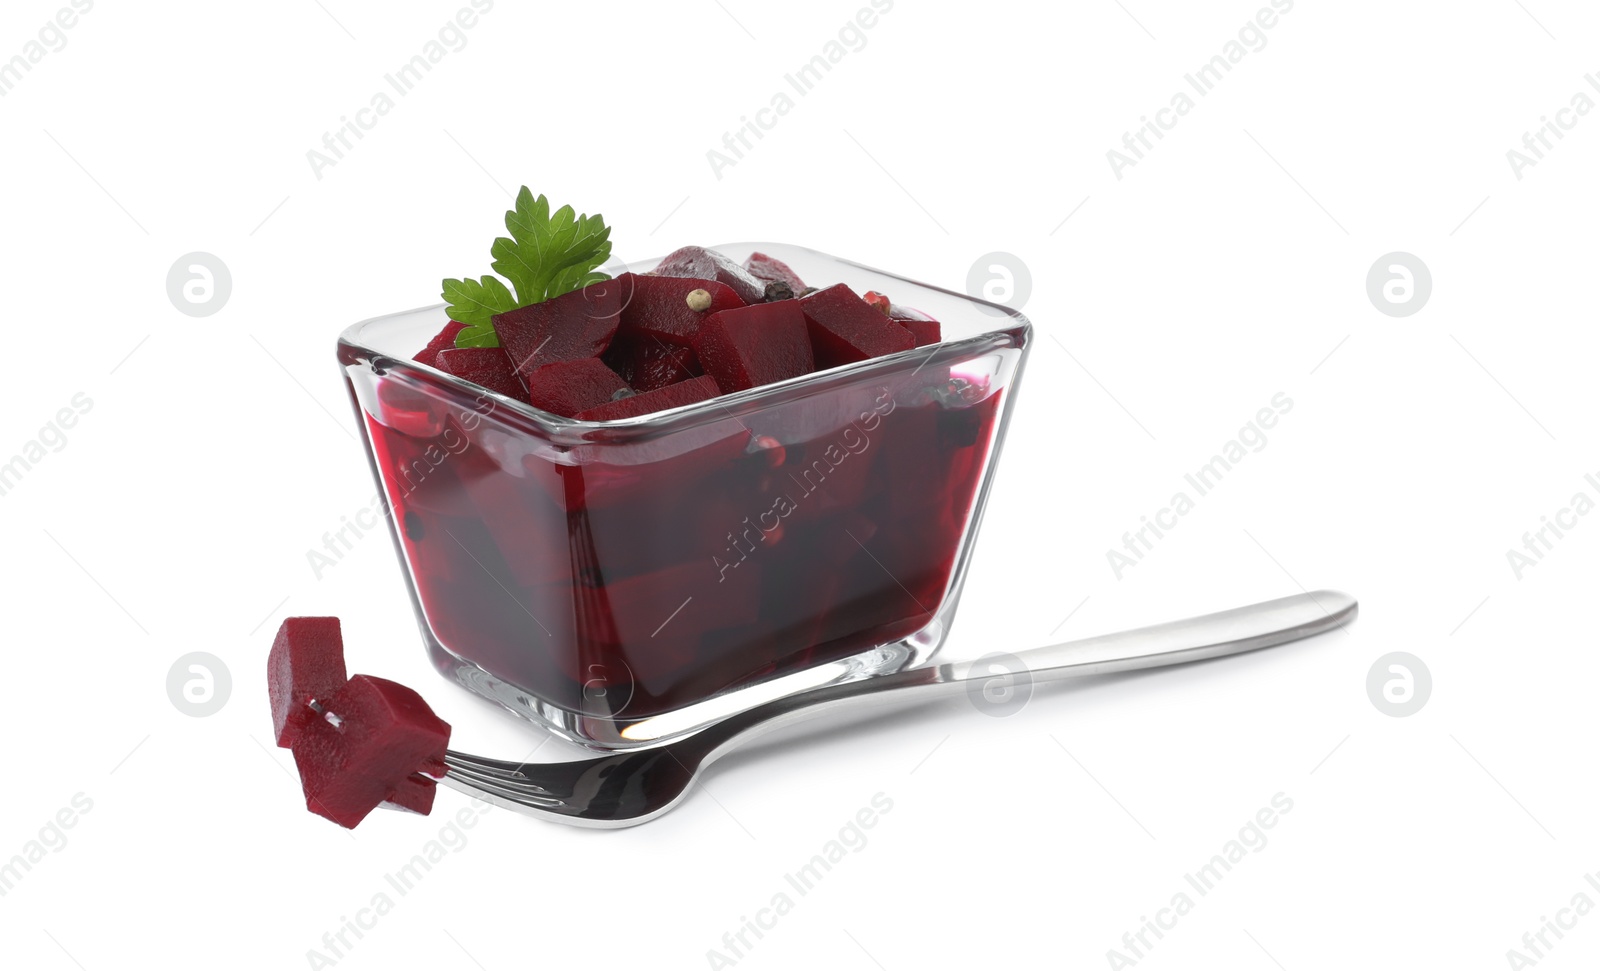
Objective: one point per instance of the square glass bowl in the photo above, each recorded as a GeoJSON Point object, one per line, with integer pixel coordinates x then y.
{"type": "Point", "coordinates": [626, 582]}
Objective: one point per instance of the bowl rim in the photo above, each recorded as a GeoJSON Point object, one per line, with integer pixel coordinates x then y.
{"type": "Point", "coordinates": [1015, 330]}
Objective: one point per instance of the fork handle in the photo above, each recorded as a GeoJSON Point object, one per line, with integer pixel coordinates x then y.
{"type": "Point", "coordinates": [1178, 642]}
{"type": "Point", "coordinates": [1215, 635]}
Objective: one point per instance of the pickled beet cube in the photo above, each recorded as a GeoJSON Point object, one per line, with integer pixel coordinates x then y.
{"type": "Point", "coordinates": [444, 340]}
{"type": "Point", "coordinates": [701, 514]}
{"type": "Point", "coordinates": [831, 475]}
{"type": "Point", "coordinates": [425, 473]}
{"type": "Point", "coordinates": [409, 410]}
{"type": "Point", "coordinates": [573, 386]}
{"type": "Point", "coordinates": [379, 742]}
{"type": "Point", "coordinates": [924, 332]}
{"type": "Point", "coordinates": [844, 328]}
{"type": "Point", "coordinates": [770, 270]}
{"type": "Point", "coordinates": [688, 261]}
{"type": "Point", "coordinates": [700, 263]}
{"type": "Point", "coordinates": [486, 366]}
{"type": "Point", "coordinates": [306, 664]}
{"type": "Point", "coordinates": [671, 609]}
{"type": "Point", "coordinates": [672, 396]}
{"type": "Point", "coordinates": [518, 523]}
{"type": "Point", "coordinates": [413, 794]}
{"type": "Point", "coordinates": [648, 364]}
{"type": "Point", "coordinates": [657, 306]}
{"type": "Point", "coordinates": [755, 345]}
{"type": "Point", "coordinates": [646, 468]}
{"type": "Point", "coordinates": [570, 327]}
{"type": "Point", "coordinates": [924, 329]}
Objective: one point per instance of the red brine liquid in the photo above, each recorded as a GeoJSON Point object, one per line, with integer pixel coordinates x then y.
{"type": "Point", "coordinates": [634, 577]}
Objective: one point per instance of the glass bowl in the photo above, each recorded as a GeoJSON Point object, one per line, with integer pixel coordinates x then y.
{"type": "Point", "coordinates": [626, 582]}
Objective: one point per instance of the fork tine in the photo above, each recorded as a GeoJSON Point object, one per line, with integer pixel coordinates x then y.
{"type": "Point", "coordinates": [521, 795]}
{"type": "Point", "coordinates": [519, 790]}
{"type": "Point", "coordinates": [492, 767]}
{"type": "Point", "coordinates": [509, 780]}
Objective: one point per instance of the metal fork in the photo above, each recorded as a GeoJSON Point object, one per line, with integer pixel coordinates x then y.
{"type": "Point", "coordinates": [629, 788]}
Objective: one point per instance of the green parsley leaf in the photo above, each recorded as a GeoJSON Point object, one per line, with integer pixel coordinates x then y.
{"type": "Point", "coordinates": [474, 303]}
{"type": "Point", "coordinates": [548, 254]}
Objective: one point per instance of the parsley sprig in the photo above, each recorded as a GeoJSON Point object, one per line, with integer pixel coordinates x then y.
{"type": "Point", "coordinates": [547, 255]}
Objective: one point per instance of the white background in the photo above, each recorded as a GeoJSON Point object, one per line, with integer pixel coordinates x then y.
{"type": "Point", "coordinates": [1226, 267]}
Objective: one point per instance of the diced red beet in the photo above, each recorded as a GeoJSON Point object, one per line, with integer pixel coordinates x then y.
{"type": "Point", "coordinates": [486, 366]}
{"type": "Point", "coordinates": [530, 529]}
{"type": "Point", "coordinates": [924, 329]}
{"type": "Point", "coordinates": [831, 476]}
{"type": "Point", "coordinates": [413, 794]}
{"type": "Point", "coordinates": [924, 332]}
{"type": "Point", "coordinates": [444, 339]}
{"type": "Point", "coordinates": [809, 573]}
{"type": "Point", "coordinates": [479, 615]}
{"type": "Point", "coordinates": [672, 396]}
{"type": "Point", "coordinates": [700, 263]}
{"type": "Point", "coordinates": [426, 473]}
{"type": "Point", "coordinates": [688, 261]}
{"type": "Point", "coordinates": [770, 270]}
{"type": "Point", "coordinates": [671, 609]}
{"type": "Point", "coordinates": [657, 306]}
{"type": "Point", "coordinates": [306, 664]}
{"type": "Point", "coordinates": [568, 328]}
{"type": "Point", "coordinates": [701, 517]}
{"type": "Point", "coordinates": [648, 364]}
{"type": "Point", "coordinates": [382, 743]}
{"type": "Point", "coordinates": [573, 386]}
{"type": "Point", "coordinates": [607, 474]}
{"type": "Point", "coordinates": [369, 742]}
{"type": "Point", "coordinates": [755, 345]}
{"type": "Point", "coordinates": [408, 409]}
{"type": "Point", "coordinates": [844, 328]}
